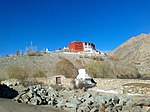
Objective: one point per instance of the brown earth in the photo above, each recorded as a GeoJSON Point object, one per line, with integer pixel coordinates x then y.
{"type": "Point", "coordinates": [135, 51]}
{"type": "Point", "coordinates": [7, 105]}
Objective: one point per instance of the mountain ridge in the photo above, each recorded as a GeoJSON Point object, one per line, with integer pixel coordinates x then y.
{"type": "Point", "coordinates": [136, 51]}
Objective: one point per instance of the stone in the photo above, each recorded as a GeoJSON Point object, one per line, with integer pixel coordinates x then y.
{"type": "Point", "coordinates": [11, 82]}
{"type": "Point", "coordinates": [116, 100]}
{"type": "Point", "coordinates": [118, 107]}
{"type": "Point", "coordinates": [33, 101]}
{"type": "Point", "coordinates": [86, 95]}
{"type": "Point", "coordinates": [94, 110]}
{"type": "Point", "coordinates": [29, 94]}
{"type": "Point", "coordinates": [60, 102]}
{"type": "Point", "coordinates": [136, 109]}
{"type": "Point", "coordinates": [70, 105]}
{"type": "Point", "coordinates": [74, 100]}
{"type": "Point", "coordinates": [25, 98]}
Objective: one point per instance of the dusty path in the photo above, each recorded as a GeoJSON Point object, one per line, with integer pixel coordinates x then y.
{"type": "Point", "coordinates": [7, 105]}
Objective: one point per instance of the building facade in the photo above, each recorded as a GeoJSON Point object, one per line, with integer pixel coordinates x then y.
{"type": "Point", "coordinates": [81, 46]}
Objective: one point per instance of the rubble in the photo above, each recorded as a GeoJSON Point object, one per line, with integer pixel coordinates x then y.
{"type": "Point", "coordinates": [89, 101]}
{"type": "Point", "coordinates": [11, 82]}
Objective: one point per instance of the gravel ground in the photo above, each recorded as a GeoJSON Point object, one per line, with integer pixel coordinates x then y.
{"type": "Point", "coordinates": [7, 105]}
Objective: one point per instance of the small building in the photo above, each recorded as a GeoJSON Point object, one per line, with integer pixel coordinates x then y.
{"type": "Point", "coordinates": [81, 46]}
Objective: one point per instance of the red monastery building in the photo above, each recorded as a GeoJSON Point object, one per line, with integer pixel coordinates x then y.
{"type": "Point", "coordinates": [81, 46]}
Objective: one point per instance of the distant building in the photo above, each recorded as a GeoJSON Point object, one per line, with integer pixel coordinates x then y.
{"type": "Point", "coordinates": [81, 46]}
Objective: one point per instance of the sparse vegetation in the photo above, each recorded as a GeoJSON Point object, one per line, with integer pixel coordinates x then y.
{"type": "Point", "coordinates": [39, 73]}
{"type": "Point", "coordinates": [126, 71]}
{"type": "Point", "coordinates": [66, 68]}
{"type": "Point", "coordinates": [17, 72]}
{"type": "Point", "coordinates": [37, 53]}
{"type": "Point", "coordinates": [98, 58]}
{"type": "Point", "coordinates": [98, 69]}
{"type": "Point", "coordinates": [78, 63]}
{"type": "Point", "coordinates": [110, 69]}
{"type": "Point", "coordinates": [35, 66]}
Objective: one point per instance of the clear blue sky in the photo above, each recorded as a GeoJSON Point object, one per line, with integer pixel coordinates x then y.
{"type": "Point", "coordinates": [54, 23]}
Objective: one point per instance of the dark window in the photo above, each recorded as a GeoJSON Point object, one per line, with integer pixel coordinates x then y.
{"type": "Point", "coordinates": [58, 80]}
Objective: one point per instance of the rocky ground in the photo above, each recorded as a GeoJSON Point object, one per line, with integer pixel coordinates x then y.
{"type": "Point", "coordinates": [43, 98]}
{"type": "Point", "coordinates": [7, 105]}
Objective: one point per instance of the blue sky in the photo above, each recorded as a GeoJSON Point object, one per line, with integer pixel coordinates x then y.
{"type": "Point", "coordinates": [54, 23]}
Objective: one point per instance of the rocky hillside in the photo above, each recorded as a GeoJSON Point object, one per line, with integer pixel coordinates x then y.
{"type": "Point", "coordinates": [135, 51]}
{"type": "Point", "coordinates": [50, 64]}
{"type": "Point", "coordinates": [47, 65]}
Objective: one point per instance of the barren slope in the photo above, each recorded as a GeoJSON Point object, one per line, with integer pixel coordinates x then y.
{"type": "Point", "coordinates": [135, 50]}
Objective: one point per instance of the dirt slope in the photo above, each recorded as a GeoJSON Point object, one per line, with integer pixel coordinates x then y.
{"type": "Point", "coordinates": [135, 50]}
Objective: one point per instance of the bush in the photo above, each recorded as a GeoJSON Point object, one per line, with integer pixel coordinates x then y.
{"type": "Point", "coordinates": [37, 53]}
{"type": "Point", "coordinates": [66, 68]}
{"type": "Point", "coordinates": [98, 58]}
{"type": "Point", "coordinates": [79, 63]}
{"type": "Point", "coordinates": [39, 73]}
{"type": "Point", "coordinates": [98, 69]}
{"type": "Point", "coordinates": [17, 73]}
{"type": "Point", "coordinates": [126, 71]}
{"type": "Point", "coordinates": [111, 69]}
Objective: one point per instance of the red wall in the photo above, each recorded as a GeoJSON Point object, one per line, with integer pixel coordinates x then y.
{"type": "Point", "coordinates": [76, 46]}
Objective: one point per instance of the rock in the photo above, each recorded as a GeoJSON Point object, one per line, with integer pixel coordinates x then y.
{"type": "Point", "coordinates": [94, 109]}
{"type": "Point", "coordinates": [33, 101]}
{"type": "Point", "coordinates": [102, 107]}
{"type": "Point", "coordinates": [25, 98]}
{"type": "Point", "coordinates": [86, 95]}
{"type": "Point", "coordinates": [80, 102]}
{"type": "Point", "coordinates": [60, 102]}
{"type": "Point", "coordinates": [136, 109]}
{"type": "Point", "coordinates": [116, 100]}
{"type": "Point", "coordinates": [52, 101]}
{"type": "Point", "coordinates": [11, 82]}
{"type": "Point", "coordinates": [29, 93]}
{"type": "Point", "coordinates": [118, 107]}
{"type": "Point", "coordinates": [70, 105]}
{"type": "Point", "coordinates": [74, 100]}
{"type": "Point", "coordinates": [143, 102]}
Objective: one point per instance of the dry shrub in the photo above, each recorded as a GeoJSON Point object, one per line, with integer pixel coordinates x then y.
{"type": "Point", "coordinates": [98, 69]}
{"type": "Point", "coordinates": [17, 72]}
{"type": "Point", "coordinates": [98, 58]}
{"type": "Point", "coordinates": [35, 53]}
{"type": "Point", "coordinates": [81, 56]}
{"type": "Point", "coordinates": [78, 63]}
{"type": "Point", "coordinates": [66, 68]}
{"type": "Point", "coordinates": [110, 69]}
{"type": "Point", "coordinates": [39, 73]}
{"type": "Point", "coordinates": [61, 57]}
{"type": "Point", "coordinates": [126, 71]}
